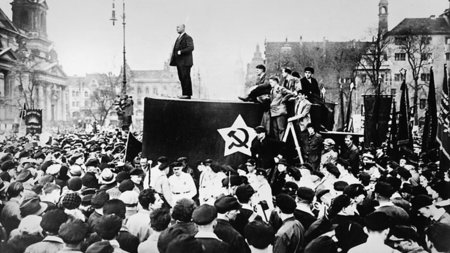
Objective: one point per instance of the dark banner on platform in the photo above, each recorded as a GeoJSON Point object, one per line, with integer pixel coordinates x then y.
{"type": "Point", "coordinates": [33, 121]}
{"type": "Point", "coordinates": [199, 129]}
{"type": "Point", "coordinates": [376, 119]}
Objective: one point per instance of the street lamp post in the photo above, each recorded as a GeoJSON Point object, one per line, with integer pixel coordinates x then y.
{"type": "Point", "coordinates": [114, 19]}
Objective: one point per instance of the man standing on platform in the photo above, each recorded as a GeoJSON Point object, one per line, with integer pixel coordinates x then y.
{"type": "Point", "coordinates": [310, 86]}
{"type": "Point", "coordinates": [182, 59]}
{"type": "Point", "coordinates": [278, 109]}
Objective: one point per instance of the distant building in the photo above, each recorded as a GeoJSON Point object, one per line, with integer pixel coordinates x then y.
{"type": "Point", "coordinates": [299, 54]}
{"type": "Point", "coordinates": [257, 59]}
{"type": "Point", "coordinates": [434, 31]}
{"type": "Point", "coordinates": [80, 102]}
{"type": "Point", "coordinates": [30, 72]}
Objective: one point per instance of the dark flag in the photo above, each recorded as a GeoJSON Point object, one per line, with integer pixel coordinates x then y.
{"type": "Point", "coordinates": [132, 148]}
{"type": "Point", "coordinates": [405, 140]}
{"type": "Point", "coordinates": [348, 120]}
{"type": "Point", "coordinates": [392, 150]}
{"type": "Point", "coordinates": [341, 122]}
{"type": "Point", "coordinates": [200, 129]}
{"type": "Point", "coordinates": [376, 119]}
{"type": "Point", "coordinates": [443, 124]}
{"type": "Point", "coordinates": [430, 128]}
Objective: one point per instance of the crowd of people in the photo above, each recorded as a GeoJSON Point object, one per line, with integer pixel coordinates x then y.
{"type": "Point", "coordinates": [75, 193]}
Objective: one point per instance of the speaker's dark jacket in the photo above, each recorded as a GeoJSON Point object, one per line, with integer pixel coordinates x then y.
{"type": "Point", "coordinates": [185, 45]}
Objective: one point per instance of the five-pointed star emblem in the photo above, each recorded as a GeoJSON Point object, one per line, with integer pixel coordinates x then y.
{"type": "Point", "coordinates": [238, 137]}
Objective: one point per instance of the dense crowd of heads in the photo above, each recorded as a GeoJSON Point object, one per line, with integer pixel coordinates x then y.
{"type": "Point", "coordinates": [75, 193]}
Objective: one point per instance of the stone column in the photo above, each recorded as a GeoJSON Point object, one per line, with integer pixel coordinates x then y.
{"type": "Point", "coordinates": [48, 103]}
{"type": "Point", "coordinates": [61, 104]}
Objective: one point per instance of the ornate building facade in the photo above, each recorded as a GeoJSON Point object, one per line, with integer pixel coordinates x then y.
{"type": "Point", "coordinates": [30, 72]}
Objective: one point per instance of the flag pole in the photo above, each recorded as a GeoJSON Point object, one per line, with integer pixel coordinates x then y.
{"type": "Point", "coordinates": [126, 147]}
{"type": "Point", "coordinates": [229, 182]}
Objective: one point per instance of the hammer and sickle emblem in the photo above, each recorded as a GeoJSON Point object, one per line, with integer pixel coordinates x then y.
{"type": "Point", "coordinates": [238, 141]}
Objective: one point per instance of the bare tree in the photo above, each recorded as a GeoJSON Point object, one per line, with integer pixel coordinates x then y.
{"type": "Point", "coordinates": [24, 73]}
{"type": "Point", "coordinates": [373, 58]}
{"type": "Point", "coordinates": [344, 57]}
{"type": "Point", "coordinates": [418, 53]}
{"type": "Point", "coordinates": [102, 99]}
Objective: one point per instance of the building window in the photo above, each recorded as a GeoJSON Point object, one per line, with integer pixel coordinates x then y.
{"type": "Point", "coordinates": [139, 90]}
{"type": "Point", "coordinates": [423, 103]}
{"type": "Point", "coordinates": [400, 56]}
{"type": "Point", "coordinates": [362, 109]}
{"type": "Point", "coordinates": [400, 40]}
{"type": "Point", "coordinates": [397, 77]}
{"type": "Point", "coordinates": [147, 90]}
{"type": "Point", "coordinates": [425, 77]}
{"type": "Point", "coordinates": [86, 103]}
{"type": "Point", "coordinates": [426, 40]}
{"type": "Point", "coordinates": [363, 78]}
{"type": "Point", "coordinates": [74, 103]}
{"type": "Point", "coordinates": [139, 102]}
{"type": "Point", "coordinates": [447, 40]}
{"type": "Point", "coordinates": [86, 94]}
{"type": "Point", "coordinates": [393, 92]}
{"type": "Point", "coordinates": [447, 56]}
{"type": "Point", "coordinates": [155, 91]}
{"type": "Point", "coordinates": [74, 93]}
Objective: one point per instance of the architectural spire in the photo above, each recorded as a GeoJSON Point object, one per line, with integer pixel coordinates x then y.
{"type": "Point", "coordinates": [383, 17]}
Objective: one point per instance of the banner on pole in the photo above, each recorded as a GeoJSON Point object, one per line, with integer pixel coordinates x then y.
{"type": "Point", "coordinates": [33, 121]}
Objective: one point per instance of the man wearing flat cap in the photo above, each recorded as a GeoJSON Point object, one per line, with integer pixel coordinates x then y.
{"type": "Point", "coordinates": [181, 183]}
{"type": "Point", "coordinates": [195, 174]}
{"type": "Point", "coordinates": [265, 148]}
{"type": "Point", "coordinates": [290, 236]}
{"type": "Point", "coordinates": [246, 213]}
{"type": "Point", "coordinates": [424, 206]}
{"type": "Point", "coordinates": [329, 155]}
{"type": "Point", "coordinates": [205, 218]}
{"type": "Point", "coordinates": [310, 86]}
{"type": "Point", "coordinates": [227, 208]}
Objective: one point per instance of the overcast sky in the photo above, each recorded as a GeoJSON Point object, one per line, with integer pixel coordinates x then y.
{"type": "Point", "coordinates": [225, 32]}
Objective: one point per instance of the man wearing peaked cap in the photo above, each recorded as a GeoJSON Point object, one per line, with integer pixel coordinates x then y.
{"type": "Point", "coordinates": [73, 234]}
{"type": "Point", "coordinates": [259, 236]}
{"type": "Point", "coordinates": [290, 236]}
{"type": "Point", "coordinates": [181, 183]}
{"type": "Point", "coordinates": [246, 213]}
{"type": "Point", "coordinates": [303, 212]}
{"type": "Point", "coordinates": [329, 155]}
{"type": "Point", "coordinates": [50, 223]}
{"type": "Point", "coordinates": [205, 218]}
{"type": "Point", "coordinates": [227, 208]}
{"type": "Point", "coordinates": [97, 202]}
{"type": "Point", "coordinates": [425, 207]}
{"type": "Point", "coordinates": [377, 229]}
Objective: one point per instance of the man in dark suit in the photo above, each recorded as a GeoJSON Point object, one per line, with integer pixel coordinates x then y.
{"type": "Point", "coordinates": [182, 59]}
{"type": "Point", "coordinates": [261, 87]}
{"type": "Point", "coordinates": [310, 86]}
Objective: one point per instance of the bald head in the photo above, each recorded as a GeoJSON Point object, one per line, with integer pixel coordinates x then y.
{"type": "Point", "coordinates": [181, 28]}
